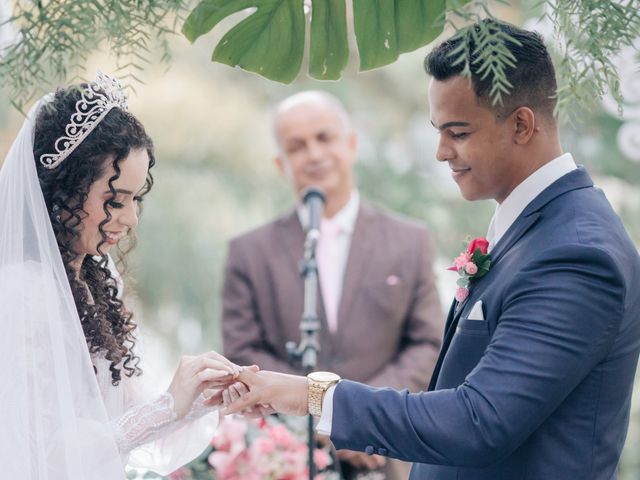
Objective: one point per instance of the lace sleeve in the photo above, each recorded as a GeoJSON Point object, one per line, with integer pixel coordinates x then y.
{"type": "Point", "coordinates": [146, 431]}
{"type": "Point", "coordinates": [151, 421]}
{"type": "Point", "coordinates": [144, 423]}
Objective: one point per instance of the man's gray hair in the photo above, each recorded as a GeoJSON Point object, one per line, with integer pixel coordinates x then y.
{"type": "Point", "coordinates": [308, 97]}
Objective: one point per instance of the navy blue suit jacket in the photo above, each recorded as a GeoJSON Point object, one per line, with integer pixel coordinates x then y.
{"type": "Point", "coordinates": [539, 390]}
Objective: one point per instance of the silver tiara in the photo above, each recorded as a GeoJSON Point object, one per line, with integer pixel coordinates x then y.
{"type": "Point", "coordinates": [98, 98]}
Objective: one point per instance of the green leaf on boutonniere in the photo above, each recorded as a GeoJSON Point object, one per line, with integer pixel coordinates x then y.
{"type": "Point", "coordinates": [483, 266]}
{"type": "Point", "coordinates": [462, 282]}
{"type": "Point", "coordinates": [477, 257]}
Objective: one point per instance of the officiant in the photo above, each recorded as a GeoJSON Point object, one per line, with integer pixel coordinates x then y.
{"type": "Point", "coordinates": [381, 318]}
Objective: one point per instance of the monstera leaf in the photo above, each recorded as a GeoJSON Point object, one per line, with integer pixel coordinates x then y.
{"type": "Point", "coordinates": [270, 40]}
{"type": "Point", "coordinates": [386, 28]}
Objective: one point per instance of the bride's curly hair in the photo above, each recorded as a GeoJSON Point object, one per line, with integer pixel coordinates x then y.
{"type": "Point", "coordinates": [107, 324]}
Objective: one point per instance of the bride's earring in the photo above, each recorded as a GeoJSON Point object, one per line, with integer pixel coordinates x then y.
{"type": "Point", "coordinates": [58, 217]}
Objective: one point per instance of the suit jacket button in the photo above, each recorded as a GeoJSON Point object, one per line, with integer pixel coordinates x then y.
{"type": "Point", "coordinates": [369, 450]}
{"type": "Point", "coordinates": [383, 452]}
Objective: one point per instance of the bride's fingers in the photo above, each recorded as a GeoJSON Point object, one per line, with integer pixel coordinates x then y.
{"type": "Point", "coordinates": [216, 356]}
{"type": "Point", "coordinates": [211, 391]}
{"type": "Point", "coordinates": [210, 377]}
{"type": "Point", "coordinates": [202, 363]}
{"type": "Point", "coordinates": [213, 397]}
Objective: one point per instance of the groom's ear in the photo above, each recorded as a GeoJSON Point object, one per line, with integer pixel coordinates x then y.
{"type": "Point", "coordinates": [524, 125]}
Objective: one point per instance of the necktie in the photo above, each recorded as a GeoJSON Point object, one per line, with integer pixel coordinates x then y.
{"type": "Point", "coordinates": [329, 272]}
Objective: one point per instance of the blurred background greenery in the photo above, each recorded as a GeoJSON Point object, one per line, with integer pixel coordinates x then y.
{"type": "Point", "coordinates": [215, 178]}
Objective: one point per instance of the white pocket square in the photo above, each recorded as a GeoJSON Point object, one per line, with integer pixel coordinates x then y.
{"type": "Point", "coordinates": [476, 312]}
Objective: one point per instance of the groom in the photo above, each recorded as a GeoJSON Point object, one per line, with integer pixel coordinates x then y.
{"type": "Point", "coordinates": [535, 374]}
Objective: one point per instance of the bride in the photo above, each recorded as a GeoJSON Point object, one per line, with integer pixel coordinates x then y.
{"type": "Point", "coordinates": [72, 405]}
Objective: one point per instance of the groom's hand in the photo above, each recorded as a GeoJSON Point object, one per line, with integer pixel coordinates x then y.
{"type": "Point", "coordinates": [361, 460]}
{"type": "Point", "coordinates": [279, 392]}
{"type": "Point", "coordinates": [224, 394]}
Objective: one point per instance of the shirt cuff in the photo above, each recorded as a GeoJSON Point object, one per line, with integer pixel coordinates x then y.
{"type": "Point", "coordinates": [326, 418]}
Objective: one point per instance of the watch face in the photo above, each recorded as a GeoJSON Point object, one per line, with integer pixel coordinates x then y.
{"type": "Point", "coordinates": [324, 377]}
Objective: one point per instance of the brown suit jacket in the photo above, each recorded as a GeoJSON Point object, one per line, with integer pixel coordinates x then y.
{"type": "Point", "coordinates": [389, 319]}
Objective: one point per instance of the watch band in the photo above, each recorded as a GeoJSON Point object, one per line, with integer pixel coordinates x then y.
{"type": "Point", "coordinates": [318, 384]}
{"type": "Point", "coordinates": [316, 395]}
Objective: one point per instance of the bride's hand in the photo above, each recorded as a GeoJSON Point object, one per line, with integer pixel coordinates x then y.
{"type": "Point", "coordinates": [194, 374]}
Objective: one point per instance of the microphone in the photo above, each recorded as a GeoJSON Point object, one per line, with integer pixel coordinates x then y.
{"type": "Point", "coordinates": [314, 199]}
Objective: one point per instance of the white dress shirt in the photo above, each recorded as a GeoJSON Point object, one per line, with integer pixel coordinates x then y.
{"type": "Point", "coordinates": [346, 220]}
{"type": "Point", "coordinates": [521, 196]}
{"type": "Point", "coordinates": [506, 213]}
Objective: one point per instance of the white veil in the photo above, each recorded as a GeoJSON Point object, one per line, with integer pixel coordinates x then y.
{"type": "Point", "coordinates": [53, 423]}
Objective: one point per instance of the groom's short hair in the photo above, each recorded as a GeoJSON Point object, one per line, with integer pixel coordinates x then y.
{"type": "Point", "coordinates": [532, 78]}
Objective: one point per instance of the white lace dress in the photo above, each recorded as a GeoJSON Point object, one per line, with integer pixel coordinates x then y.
{"type": "Point", "coordinates": [145, 427]}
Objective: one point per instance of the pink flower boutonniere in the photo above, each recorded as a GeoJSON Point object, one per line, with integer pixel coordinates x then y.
{"type": "Point", "coordinates": [472, 264]}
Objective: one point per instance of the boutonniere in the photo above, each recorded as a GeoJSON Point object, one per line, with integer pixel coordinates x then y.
{"type": "Point", "coordinates": [470, 265]}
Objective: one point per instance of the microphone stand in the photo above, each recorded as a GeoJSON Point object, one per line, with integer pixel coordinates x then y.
{"type": "Point", "coordinates": [307, 350]}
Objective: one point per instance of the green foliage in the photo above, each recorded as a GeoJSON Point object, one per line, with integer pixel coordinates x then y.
{"type": "Point", "coordinates": [384, 29]}
{"type": "Point", "coordinates": [329, 50]}
{"type": "Point", "coordinates": [594, 32]}
{"type": "Point", "coordinates": [482, 261]}
{"type": "Point", "coordinates": [269, 42]}
{"type": "Point", "coordinates": [57, 37]}
{"type": "Point", "coordinates": [484, 52]}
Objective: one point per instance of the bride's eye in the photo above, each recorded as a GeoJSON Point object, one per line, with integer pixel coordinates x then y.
{"type": "Point", "coordinates": [114, 204]}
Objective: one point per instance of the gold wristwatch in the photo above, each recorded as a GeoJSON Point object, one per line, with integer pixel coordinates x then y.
{"type": "Point", "coordinates": [318, 384]}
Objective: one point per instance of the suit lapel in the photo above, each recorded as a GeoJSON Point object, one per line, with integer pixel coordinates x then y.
{"type": "Point", "coordinates": [576, 179]}
{"type": "Point", "coordinates": [515, 232]}
{"type": "Point", "coordinates": [292, 237]}
{"type": "Point", "coordinates": [362, 242]}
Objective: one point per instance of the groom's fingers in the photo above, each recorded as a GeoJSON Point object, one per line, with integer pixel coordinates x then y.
{"type": "Point", "coordinates": [266, 410]}
{"type": "Point", "coordinates": [249, 377]}
{"type": "Point", "coordinates": [237, 390]}
{"type": "Point", "coordinates": [243, 403]}
{"type": "Point", "coordinates": [226, 399]}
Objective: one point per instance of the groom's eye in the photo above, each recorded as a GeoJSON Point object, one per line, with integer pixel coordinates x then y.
{"type": "Point", "coordinates": [459, 136]}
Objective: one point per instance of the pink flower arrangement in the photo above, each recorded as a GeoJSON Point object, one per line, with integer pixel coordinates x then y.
{"type": "Point", "coordinates": [471, 264]}
{"type": "Point", "coordinates": [264, 449]}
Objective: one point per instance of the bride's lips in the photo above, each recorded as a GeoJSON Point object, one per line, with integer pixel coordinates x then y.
{"type": "Point", "coordinates": [114, 237]}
